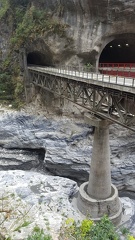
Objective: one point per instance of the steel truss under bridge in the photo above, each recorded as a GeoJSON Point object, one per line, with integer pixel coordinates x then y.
{"type": "Point", "coordinates": [103, 102]}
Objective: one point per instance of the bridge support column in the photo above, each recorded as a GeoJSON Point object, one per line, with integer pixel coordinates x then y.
{"type": "Point", "coordinates": [98, 196]}
{"type": "Point", "coordinates": [99, 186]}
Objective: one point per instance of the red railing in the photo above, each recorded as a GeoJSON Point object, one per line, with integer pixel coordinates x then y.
{"type": "Point", "coordinates": [118, 65]}
{"type": "Point", "coordinates": [118, 69]}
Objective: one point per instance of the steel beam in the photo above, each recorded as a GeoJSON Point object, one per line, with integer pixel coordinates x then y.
{"type": "Point", "coordinates": [101, 101]}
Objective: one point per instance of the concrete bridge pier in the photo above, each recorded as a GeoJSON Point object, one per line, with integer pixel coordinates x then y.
{"type": "Point", "coordinates": [99, 186]}
{"type": "Point", "coordinates": [98, 196]}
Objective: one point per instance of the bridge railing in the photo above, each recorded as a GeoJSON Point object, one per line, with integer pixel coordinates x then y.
{"type": "Point", "coordinates": [117, 65]}
{"type": "Point", "coordinates": [78, 71]}
{"type": "Point", "coordinates": [76, 68]}
{"type": "Point", "coordinates": [120, 69]}
{"type": "Point", "coordinates": [86, 75]}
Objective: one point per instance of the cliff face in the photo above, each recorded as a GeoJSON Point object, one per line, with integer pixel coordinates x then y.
{"type": "Point", "coordinates": [90, 25]}
{"type": "Point", "coordinates": [5, 33]}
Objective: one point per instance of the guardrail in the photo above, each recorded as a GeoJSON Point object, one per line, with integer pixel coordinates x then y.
{"type": "Point", "coordinates": [117, 65]}
{"type": "Point", "coordinates": [120, 69]}
{"type": "Point", "coordinates": [86, 75]}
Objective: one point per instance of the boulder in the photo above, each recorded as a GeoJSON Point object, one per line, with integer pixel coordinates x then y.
{"type": "Point", "coordinates": [31, 199]}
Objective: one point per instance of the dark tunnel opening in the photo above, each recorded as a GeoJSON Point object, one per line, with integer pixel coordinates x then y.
{"type": "Point", "coordinates": [38, 58]}
{"type": "Point", "coordinates": [119, 51]}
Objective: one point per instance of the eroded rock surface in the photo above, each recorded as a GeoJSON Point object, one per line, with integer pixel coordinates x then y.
{"type": "Point", "coordinates": [35, 199]}
{"type": "Point", "coordinates": [65, 146]}
{"type": "Point", "coordinates": [63, 142]}
{"type": "Point", "coordinates": [31, 199]}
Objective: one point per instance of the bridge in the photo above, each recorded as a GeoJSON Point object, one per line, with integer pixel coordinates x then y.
{"type": "Point", "coordinates": [106, 96]}
{"type": "Point", "coordinates": [108, 99]}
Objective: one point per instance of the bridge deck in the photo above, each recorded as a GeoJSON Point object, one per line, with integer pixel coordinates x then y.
{"type": "Point", "coordinates": [108, 97]}
{"type": "Point", "coordinates": [125, 84]}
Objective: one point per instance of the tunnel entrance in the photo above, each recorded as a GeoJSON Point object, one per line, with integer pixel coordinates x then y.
{"type": "Point", "coordinates": [119, 51]}
{"type": "Point", "coordinates": [118, 58]}
{"type": "Point", "coordinates": [38, 58]}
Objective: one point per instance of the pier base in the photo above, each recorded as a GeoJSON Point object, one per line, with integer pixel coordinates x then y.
{"type": "Point", "coordinates": [95, 209]}
{"type": "Point", "coordinates": [98, 196]}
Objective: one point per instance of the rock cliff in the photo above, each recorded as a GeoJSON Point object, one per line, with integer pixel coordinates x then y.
{"type": "Point", "coordinates": [90, 25]}
{"type": "Point", "coordinates": [63, 146]}
{"type": "Point", "coordinates": [67, 148]}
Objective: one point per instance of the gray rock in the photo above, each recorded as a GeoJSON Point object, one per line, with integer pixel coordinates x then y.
{"type": "Point", "coordinates": [64, 148]}
{"type": "Point", "coordinates": [32, 199]}
{"type": "Point", "coordinates": [63, 141]}
{"type": "Point", "coordinates": [37, 199]}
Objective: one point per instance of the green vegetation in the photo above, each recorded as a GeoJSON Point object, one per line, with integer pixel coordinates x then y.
{"type": "Point", "coordinates": [104, 230]}
{"type": "Point", "coordinates": [14, 3]}
{"type": "Point", "coordinates": [88, 67]}
{"type": "Point", "coordinates": [19, 220]}
{"type": "Point", "coordinates": [38, 234]}
{"type": "Point", "coordinates": [124, 231]}
{"type": "Point", "coordinates": [6, 86]}
{"type": "Point", "coordinates": [129, 237]}
{"type": "Point", "coordinates": [34, 23]}
{"type": "Point", "coordinates": [88, 230]}
{"type": "Point", "coordinates": [11, 86]}
{"type": "Point", "coordinates": [28, 21]}
{"type": "Point", "coordinates": [24, 224]}
{"type": "Point", "coordinates": [4, 8]}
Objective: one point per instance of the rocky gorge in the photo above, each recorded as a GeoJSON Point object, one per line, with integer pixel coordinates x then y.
{"type": "Point", "coordinates": [42, 158]}
{"type": "Point", "coordinates": [63, 146]}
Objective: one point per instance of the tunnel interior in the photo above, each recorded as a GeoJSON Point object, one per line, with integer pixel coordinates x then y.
{"type": "Point", "coordinates": [121, 50]}
{"type": "Point", "coordinates": [38, 58]}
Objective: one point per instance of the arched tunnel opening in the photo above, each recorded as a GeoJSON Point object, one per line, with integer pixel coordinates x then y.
{"type": "Point", "coordinates": [38, 58]}
{"type": "Point", "coordinates": [118, 51]}
{"type": "Point", "coordinates": [118, 54]}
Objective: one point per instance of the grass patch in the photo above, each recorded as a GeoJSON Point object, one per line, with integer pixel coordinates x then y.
{"type": "Point", "coordinates": [38, 234]}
